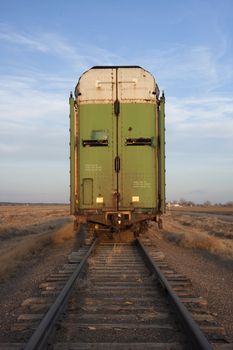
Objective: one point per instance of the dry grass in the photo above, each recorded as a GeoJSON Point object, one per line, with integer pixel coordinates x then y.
{"type": "Point", "coordinates": [26, 230]}
{"type": "Point", "coordinates": [212, 225]}
{"type": "Point", "coordinates": [65, 233]}
{"type": "Point", "coordinates": [17, 251]}
{"type": "Point", "coordinates": [198, 233]}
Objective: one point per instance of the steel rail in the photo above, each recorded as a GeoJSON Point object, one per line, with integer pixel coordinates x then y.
{"type": "Point", "coordinates": [39, 338]}
{"type": "Point", "coordinates": [193, 332]}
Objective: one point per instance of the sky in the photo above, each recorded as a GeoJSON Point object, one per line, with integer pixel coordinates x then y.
{"type": "Point", "coordinates": [46, 45]}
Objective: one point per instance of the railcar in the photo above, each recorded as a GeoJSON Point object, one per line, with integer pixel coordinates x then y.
{"type": "Point", "coordinates": [117, 148]}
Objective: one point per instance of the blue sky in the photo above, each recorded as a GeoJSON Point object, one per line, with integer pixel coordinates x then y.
{"type": "Point", "coordinates": [46, 45]}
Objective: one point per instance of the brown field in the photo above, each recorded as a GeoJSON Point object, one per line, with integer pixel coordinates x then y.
{"type": "Point", "coordinates": [212, 233]}
{"type": "Point", "coordinates": [26, 229]}
{"type": "Point", "coordinates": [195, 243]}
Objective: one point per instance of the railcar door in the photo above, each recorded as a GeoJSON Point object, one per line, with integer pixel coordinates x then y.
{"type": "Point", "coordinates": [136, 137]}
{"type": "Point", "coordinates": [97, 140]}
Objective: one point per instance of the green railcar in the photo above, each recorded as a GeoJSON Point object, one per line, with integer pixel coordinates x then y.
{"type": "Point", "coordinates": [117, 148]}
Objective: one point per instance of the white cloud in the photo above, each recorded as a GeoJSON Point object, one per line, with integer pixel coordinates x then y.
{"type": "Point", "coordinates": [195, 69]}
{"type": "Point", "coordinates": [22, 98]}
{"type": "Point", "coordinates": [23, 40]}
{"type": "Point", "coordinates": [34, 123]}
{"type": "Point", "coordinates": [80, 56]}
{"type": "Point", "coordinates": [203, 117]}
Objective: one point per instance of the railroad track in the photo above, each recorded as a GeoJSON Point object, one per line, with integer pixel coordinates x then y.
{"type": "Point", "coordinates": [118, 296]}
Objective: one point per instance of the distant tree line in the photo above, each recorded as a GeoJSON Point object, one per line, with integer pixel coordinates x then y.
{"type": "Point", "coordinates": [184, 202]}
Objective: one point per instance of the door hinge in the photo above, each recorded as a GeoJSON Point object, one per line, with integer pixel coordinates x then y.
{"type": "Point", "coordinates": [117, 108]}
{"type": "Point", "coordinates": [117, 164]}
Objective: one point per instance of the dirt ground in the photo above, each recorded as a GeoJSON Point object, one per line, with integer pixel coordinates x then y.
{"type": "Point", "coordinates": [35, 242]}
{"type": "Point", "coordinates": [36, 239]}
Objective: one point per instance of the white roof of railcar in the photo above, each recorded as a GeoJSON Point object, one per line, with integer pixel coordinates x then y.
{"type": "Point", "coordinates": [134, 84]}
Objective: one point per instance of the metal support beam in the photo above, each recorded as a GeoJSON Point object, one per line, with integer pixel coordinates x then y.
{"type": "Point", "coordinates": [162, 154]}
{"type": "Point", "coordinates": [72, 156]}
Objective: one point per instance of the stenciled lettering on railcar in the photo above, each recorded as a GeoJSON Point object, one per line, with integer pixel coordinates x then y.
{"type": "Point", "coordinates": [92, 167]}
{"type": "Point", "coordinates": [141, 184]}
